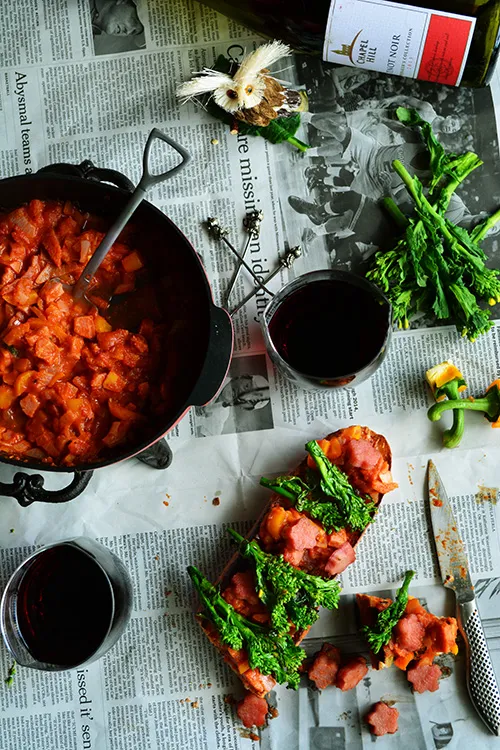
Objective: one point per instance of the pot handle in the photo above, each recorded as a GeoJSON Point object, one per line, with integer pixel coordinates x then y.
{"type": "Point", "coordinates": [158, 455]}
{"type": "Point", "coordinates": [88, 171]}
{"type": "Point", "coordinates": [28, 488]}
{"type": "Point", "coordinates": [220, 348]}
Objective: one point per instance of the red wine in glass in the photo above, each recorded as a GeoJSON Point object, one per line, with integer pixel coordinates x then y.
{"type": "Point", "coordinates": [66, 605]}
{"type": "Point", "coordinates": [327, 328]}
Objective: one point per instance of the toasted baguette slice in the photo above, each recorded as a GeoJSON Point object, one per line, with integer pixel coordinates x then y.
{"type": "Point", "coordinates": [418, 637]}
{"type": "Point", "coordinates": [252, 679]}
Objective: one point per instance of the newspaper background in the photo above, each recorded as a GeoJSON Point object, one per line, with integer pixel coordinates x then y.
{"type": "Point", "coordinates": [70, 89]}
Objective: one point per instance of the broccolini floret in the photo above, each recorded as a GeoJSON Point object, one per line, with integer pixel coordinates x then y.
{"type": "Point", "coordinates": [332, 500]}
{"type": "Point", "coordinates": [291, 595]}
{"type": "Point", "coordinates": [271, 654]}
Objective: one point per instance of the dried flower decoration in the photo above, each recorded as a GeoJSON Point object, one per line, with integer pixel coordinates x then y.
{"type": "Point", "coordinates": [248, 98]}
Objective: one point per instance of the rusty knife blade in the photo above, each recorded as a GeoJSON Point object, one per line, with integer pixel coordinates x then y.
{"type": "Point", "coordinates": [450, 549]}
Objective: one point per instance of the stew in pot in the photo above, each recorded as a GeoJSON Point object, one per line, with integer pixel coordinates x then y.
{"type": "Point", "coordinates": [72, 386]}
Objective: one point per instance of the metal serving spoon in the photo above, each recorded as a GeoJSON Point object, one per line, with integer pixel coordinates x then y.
{"type": "Point", "coordinates": [80, 289]}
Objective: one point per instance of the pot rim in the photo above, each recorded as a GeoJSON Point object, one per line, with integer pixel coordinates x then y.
{"type": "Point", "coordinates": [134, 448]}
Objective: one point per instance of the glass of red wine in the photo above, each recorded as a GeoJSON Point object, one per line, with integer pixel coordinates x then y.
{"type": "Point", "coordinates": [66, 605]}
{"type": "Point", "coordinates": [327, 329]}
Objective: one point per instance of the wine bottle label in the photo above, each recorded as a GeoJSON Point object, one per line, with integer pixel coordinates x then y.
{"type": "Point", "coordinates": [402, 39]}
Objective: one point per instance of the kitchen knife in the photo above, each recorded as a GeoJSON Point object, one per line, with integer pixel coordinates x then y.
{"type": "Point", "coordinates": [481, 681]}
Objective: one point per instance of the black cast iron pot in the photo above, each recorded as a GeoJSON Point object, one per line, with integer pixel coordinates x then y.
{"type": "Point", "coordinates": [199, 343]}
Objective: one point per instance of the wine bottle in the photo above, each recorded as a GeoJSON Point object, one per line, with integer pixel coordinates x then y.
{"type": "Point", "coordinates": [455, 42]}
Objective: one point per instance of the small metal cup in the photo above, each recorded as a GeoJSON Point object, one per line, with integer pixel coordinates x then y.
{"type": "Point", "coordinates": [326, 380]}
{"type": "Point", "coordinates": [120, 592]}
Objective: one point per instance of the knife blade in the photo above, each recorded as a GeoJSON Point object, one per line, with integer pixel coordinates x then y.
{"type": "Point", "coordinates": [481, 680]}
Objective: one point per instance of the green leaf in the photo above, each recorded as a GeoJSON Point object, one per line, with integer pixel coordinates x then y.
{"type": "Point", "coordinates": [291, 595]}
{"type": "Point", "coordinates": [379, 634]}
{"type": "Point", "coordinates": [11, 674]}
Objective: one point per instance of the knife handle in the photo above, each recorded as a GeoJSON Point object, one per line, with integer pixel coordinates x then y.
{"type": "Point", "coordinates": [481, 680]}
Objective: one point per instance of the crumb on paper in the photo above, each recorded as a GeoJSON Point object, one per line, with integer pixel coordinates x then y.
{"type": "Point", "coordinates": [167, 592]}
{"type": "Point", "coordinates": [214, 141]}
{"type": "Point", "coordinates": [273, 712]}
{"type": "Point", "coordinates": [165, 502]}
{"type": "Point", "coordinates": [247, 734]}
{"type": "Point", "coordinates": [229, 699]}
{"type": "Point", "coordinates": [486, 495]}
{"type": "Point", "coordinates": [11, 531]}
{"type": "Point", "coordinates": [216, 501]}
{"type": "Point", "coordinates": [410, 469]}
{"type": "Point", "coordinates": [209, 684]}
{"type": "Point", "coordinates": [157, 557]}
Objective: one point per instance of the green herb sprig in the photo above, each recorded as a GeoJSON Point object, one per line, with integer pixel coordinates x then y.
{"type": "Point", "coordinates": [379, 634]}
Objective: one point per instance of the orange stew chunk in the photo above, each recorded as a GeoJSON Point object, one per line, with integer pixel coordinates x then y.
{"type": "Point", "coordinates": [71, 385]}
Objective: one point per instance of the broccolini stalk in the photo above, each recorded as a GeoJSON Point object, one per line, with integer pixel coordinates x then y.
{"type": "Point", "coordinates": [293, 488]}
{"type": "Point", "coordinates": [435, 265]}
{"type": "Point", "coordinates": [446, 381]}
{"type": "Point", "coordinates": [379, 634]}
{"type": "Point", "coordinates": [442, 164]}
{"type": "Point", "coordinates": [271, 654]}
{"type": "Point", "coordinates": [469, 316]}
{"type": "Point", "coordinates": [290, 594]}
{"type": "Point", "coordinates": [481, 230]}
{"type": "Point", "coordinates": [489, 404]}
{"type": "Point", "coordinates": [356, 511]}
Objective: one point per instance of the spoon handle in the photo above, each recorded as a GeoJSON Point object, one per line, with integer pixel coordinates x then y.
{"type": "Point", "coordinates": [147, 181]}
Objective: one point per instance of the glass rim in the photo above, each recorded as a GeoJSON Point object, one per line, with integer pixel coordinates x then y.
{"type": "Point", "coordinates": [322, 275]}
{"type": "Point", "coordinates": [28, 562]}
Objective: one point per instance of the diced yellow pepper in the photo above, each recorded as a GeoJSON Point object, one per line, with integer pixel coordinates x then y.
{"type": "Point", "coordinates": [132, 262]}
{"type": "Point", "coordinates": [74, 404]}
{"type": "Point", "coordinates": [23, 380]}
{"type": "Point", "coordinates": [353, 432]}
{"type": "Point", "coordinates": [442, 374]}
{"type": "Point", "coordinates": [102, 325]}
{"type": "Point", "coordinates": [6, 396]}
{"type": "Point", "coordinates": [113, 381]}
{"type": "Point", "coordinates": [243, 667]}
